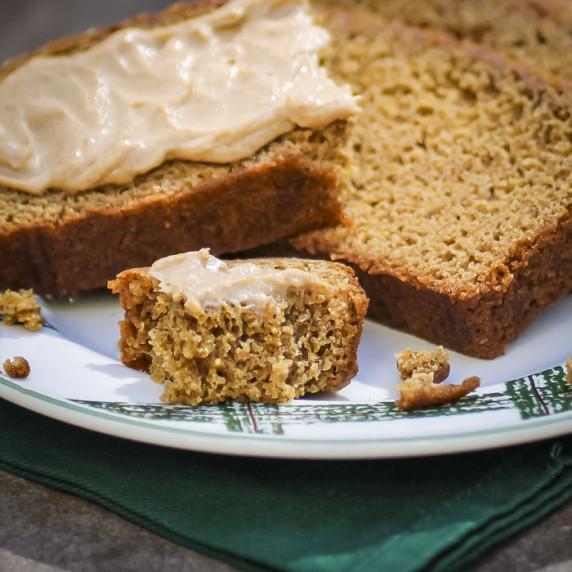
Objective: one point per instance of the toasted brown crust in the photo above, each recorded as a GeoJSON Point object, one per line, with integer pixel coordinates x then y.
{"type": "Point", "coordinates": [279, 192]}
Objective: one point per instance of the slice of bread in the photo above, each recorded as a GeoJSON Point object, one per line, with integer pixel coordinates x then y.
{"type": "Point", "coordinates": [59, 242]}
{"type": "Point", "coordinates": [305, 344]}
{"type": "Point", "coordinates": [537, 32]}
{"type": "Point", "coordinates": [462, 186]}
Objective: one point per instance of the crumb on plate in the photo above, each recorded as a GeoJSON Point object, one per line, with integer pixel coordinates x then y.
{"type": "Point", "coordinates": [410, 362]}
{"type": "Point", "coordinates": [18, 367]}
{"type": "Point", "coordinates": [421, 374]}
{"type": "Point", "coordinates": [21, 307]}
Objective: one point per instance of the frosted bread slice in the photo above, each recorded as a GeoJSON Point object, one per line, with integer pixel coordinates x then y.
{"type": "Point", "coordinates": [261, 330]}
{"type": "Point", "coordinates": [461, 201]}
{"type": "Point", "coordinates": [56, 240]}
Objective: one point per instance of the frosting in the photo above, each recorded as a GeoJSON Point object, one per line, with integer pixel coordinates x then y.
{"type": "Point", "coordinates": [202, 281]}
{"type": "Point", "coordinates": [213, 88]}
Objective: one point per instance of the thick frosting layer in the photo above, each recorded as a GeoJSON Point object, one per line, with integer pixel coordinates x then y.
{"type": "Point", "coordinates": [202, 281]}
{"type": "Point", "coordinates": [214, 88]}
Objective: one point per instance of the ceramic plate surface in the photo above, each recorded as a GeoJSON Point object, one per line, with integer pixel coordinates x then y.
{"type": "Point", "coordinates": [77, 378]}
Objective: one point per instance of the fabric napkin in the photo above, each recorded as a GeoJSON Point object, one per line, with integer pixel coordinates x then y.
{"type": "Point", "coordinates": [435, 513]}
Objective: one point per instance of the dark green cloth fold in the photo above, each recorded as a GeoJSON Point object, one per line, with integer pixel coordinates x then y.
{"type": "Point", "coordinates": [435, 513]}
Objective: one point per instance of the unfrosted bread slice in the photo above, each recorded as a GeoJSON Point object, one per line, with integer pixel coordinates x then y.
{"type": "Point", "coordinates": [301, 342]}
{"type": "Point", "coordinates": [462, 187]}
{"type": "Point", "coordinates": [537, 32]}
{"type": "Point", "coordinates": [59, 242]}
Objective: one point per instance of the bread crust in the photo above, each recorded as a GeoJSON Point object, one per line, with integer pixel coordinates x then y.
{"type": "Point", "coordinates": [257, 201]}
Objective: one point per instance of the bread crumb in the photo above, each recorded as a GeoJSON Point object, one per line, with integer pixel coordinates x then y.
{"type": "Point", "coordinates": [422, 373]}
{"type": "Point", "coordinates": [568, 377]}
{"type": "Point", "coordinates": [18, 367]}
{"type": "Point", "coordinates": [21, 307]}
{"type": "Point", "coordinates": [410, 362]}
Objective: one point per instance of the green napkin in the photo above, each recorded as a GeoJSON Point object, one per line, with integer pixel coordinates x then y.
{"type": "Point", "coordinates": [435, 513]}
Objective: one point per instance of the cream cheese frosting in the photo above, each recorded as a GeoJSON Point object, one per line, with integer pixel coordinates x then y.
{"type": "Point", "coordinates": [214, 88]}
{"type": "Point", "coordinates": [202, 281]}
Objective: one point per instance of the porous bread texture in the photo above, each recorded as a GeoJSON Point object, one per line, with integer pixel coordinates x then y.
{"type": "Point", "coordinates": [60, 242]}
{"type": "Point", "coordinates": [434, 363]}
{"type": "Point", "coordinates": [538, 32]}
{"type": "Point", "coordinates": [422, 373]}
{"type": "Point", "coordinates": [236, 352]}
{"type": "Point", "coordinates": [21, 307]}
{"type": "Point", "coordinates": [462, 185]}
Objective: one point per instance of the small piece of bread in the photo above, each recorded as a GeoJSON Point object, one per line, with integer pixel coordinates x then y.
{"type": "Point", "coordinates": [306, 344]}
{"type": "Point", "coordinates": [21, 308]}
{"type": "Point", "coordinates": [435, 363]}
{"type": "Point", "coordinates": [422, 373]}
{"type": "Point", "coordinates": [18, 367]}
{"type": "Point", "coordinates": [569, 371]}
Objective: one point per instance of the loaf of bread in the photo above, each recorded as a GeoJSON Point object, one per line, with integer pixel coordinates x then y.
{"type": "Point", "coordinates": [291, 329]}
{"type": "Point", "coordinates": [58, 241]}
{"type": "Point", "coordinates": [462, 185]}
{"type": "Point", "coordinates": [537, 32]}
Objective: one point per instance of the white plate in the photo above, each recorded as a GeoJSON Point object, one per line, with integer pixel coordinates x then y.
{"type": "Point", "coordinates": [76, 377]}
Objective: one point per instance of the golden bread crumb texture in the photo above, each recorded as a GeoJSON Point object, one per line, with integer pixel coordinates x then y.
{"type": "Point", "coordinates": [21, 307]}
{"type": "Point", "coordinates": [18, 367]}
{"type": "Point", "coordinates": [539, 33]}
{"type": "Point", "coordinates": [462, 159]}
{"type": "Point", "coordinates": [307, 345]}
{"type": "Point", "coordinates": [422, 373]}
